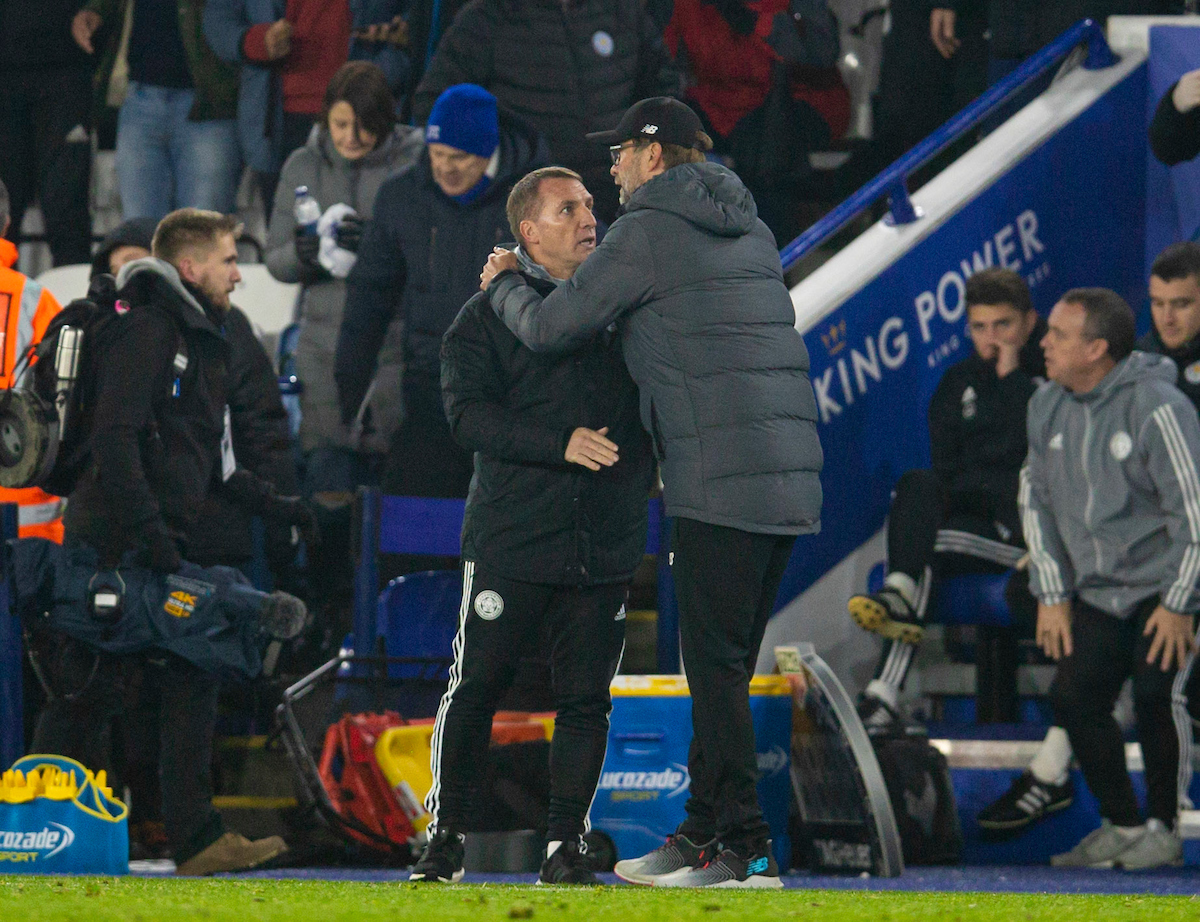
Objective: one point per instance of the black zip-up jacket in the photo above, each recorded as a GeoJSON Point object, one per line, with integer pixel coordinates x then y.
{"type": "Point", "coordinates": [156, 442]}
{"type": "Point", "coordinates": [261, 444]}
{"type": "Point", "coordinates": [1174, 135]}
{"type": "Point", "coordinates": [420, 258]}
{"type": "Point", "coordinates": [1186, 359]}
{"type": "Point", "coordinates": [35, 35]}
{"type": "Point", "coordinates": [530, 514]}
{"type": "Point", "coordinates": [977, 430]}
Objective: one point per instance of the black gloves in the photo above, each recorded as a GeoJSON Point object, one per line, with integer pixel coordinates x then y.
{"type": "Point", "coordinates": [159, 551]}
{"type": "Point", "coordinates": [292, 510]}
{"type": "Point", "coordinates": [349, 233]}
{"type": "Point", "coordinates": [307, 247]}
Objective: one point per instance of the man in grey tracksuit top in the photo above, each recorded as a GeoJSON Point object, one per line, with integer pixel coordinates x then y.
{"type": "Point", "coordinates": [1110, 504]}
{"type": "Point", "coordinates": [692, 280]}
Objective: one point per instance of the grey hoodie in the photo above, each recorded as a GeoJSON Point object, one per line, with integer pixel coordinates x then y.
{"type": "Point", "coordinates": [692, 279]}
{"type": "Point", "coordinates": [1110, 497]}
{"type": "Point", "coordinates": [331, 178]}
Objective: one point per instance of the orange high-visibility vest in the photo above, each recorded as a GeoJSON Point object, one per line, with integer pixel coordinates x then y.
{"type": "Point", "coordinates": [26, 309]}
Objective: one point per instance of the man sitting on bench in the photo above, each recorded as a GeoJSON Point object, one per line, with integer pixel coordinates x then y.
{"type": "Point", "coordinates": [961, 516]}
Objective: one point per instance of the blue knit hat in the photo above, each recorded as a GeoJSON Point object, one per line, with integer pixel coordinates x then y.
{"type": "Point", "coordinates": [465, 117]}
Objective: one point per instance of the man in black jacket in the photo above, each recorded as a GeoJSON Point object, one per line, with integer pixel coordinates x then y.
{"type": "Point", "coordinates": [555, 526]}
{"type": "Point", "coordinates": [594, 58]}
{"type": "Point", "coordinates": [961, 516]}
{"type": "Point", "coordinates": [691, 278]}
{"type": "Point", "coordinates": [160, 445]}
{"type": "Point", "coordinates": [432, 224]}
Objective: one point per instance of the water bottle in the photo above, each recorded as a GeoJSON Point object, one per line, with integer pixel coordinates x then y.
{"type": "Point", "coordinates": [307, 211]}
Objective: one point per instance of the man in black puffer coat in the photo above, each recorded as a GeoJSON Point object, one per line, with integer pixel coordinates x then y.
{"type": "Point", "coordinates": [593, 59]}
{"type": "Point", "coordinates": [433, 225]}
{"type": "Point", "coordinates": [691, 277]}
{"type": "Point", "coordinates": [555, 526]}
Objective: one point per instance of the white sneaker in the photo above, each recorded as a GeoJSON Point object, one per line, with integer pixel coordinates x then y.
{"type": "Point", "coordinates": [1100, 847]}
{"type": "Point", "coordinates": [1158, 847]}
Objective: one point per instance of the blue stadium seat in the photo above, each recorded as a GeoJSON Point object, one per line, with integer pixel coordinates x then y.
{"type": "Point", "coordinates": [976, 598]}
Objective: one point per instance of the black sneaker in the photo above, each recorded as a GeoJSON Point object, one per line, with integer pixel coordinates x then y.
{"type": "Point", "coordinates": [1023, 804]}
{"type": "Point", "coordinates": [887, 614]}
{"type": "Point", "coordinates": [678, 853]}
{"type": "Point", "coordinates": [729, 869]}
{"type": "Point", "coordinates": [568, 865]}
{"type": "Point", "coordinates": [442, 860]}
{"type": "Point", "coordinates": [881, 720]}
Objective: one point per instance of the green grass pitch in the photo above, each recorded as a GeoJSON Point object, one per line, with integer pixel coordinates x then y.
{"type": "Point", "coordinates": [33, 899]}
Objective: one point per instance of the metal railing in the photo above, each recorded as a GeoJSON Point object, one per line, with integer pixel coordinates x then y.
{"type": "Point", "coordinates": [893, 180]}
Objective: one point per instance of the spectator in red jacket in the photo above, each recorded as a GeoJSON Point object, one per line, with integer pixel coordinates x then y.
{"type": "Point", "coordinates": [765, 84]}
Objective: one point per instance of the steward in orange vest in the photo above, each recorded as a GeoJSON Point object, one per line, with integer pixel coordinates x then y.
{"type": "Point", "coordinates": [26, 309]}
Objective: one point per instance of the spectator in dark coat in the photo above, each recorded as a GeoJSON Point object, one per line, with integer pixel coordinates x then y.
{"type": "Point", "coordinates": [433, 225]}
{"type": "Point", "coordinates": [1175, 128]}
{"type": "Point", "coordinates": [593, 59]}
{"type": "Point", "coordinates": [45, 121]}
{"type": "Point", "coordinates": [128, 241]}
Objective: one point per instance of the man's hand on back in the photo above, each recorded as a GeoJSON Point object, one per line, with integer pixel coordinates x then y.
{"type": "Point", "coordinates": [1173, 636]}
{"type": "Point", "coordinates": [590, 448]}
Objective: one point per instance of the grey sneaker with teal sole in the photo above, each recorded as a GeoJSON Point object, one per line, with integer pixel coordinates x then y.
{"type": "Point", "coordinates": [1101, 847]}
{"type": "Point", "coordinates": [728, 869]}
{"type": "Point", "coordinates": [1158, 848]}
{"type": "Point", "coordinates": [678, 853]}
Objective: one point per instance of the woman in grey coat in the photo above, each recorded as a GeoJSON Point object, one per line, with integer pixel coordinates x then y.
{"type": "Point", "coordinates": [354, 147]}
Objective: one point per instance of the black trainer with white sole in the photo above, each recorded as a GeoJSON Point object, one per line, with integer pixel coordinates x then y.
{"type": "Point", "coordinates": [568, 864]}
{"type": "Point", "coordinates": [442, 860]}
{"type": "Point", "coordinates": [1023, 804]}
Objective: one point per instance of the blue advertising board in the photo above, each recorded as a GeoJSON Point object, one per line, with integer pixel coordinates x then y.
{"type": "Point", "coordinates": [1071, 213]}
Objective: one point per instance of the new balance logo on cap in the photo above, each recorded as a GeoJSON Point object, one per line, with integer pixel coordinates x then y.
{"type": "Point", "coordinates": [649, 129]}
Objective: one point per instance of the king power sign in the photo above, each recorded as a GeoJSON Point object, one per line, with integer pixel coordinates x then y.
{"type": "Point", "coordinates": [1069, 214]}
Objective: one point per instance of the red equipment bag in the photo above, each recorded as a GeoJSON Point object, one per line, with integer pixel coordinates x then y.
{"type": "Point", "coordinates": [357, 789]}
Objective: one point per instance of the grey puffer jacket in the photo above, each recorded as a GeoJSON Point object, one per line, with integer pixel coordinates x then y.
{"type": "Point", "coordinates": [1110, 498]}
{"type": "Point", "coordinates": [693, 279]}
{"type": "Point", "coordinates": [331, 179]}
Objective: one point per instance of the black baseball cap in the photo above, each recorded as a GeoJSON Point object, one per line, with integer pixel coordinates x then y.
{"type": "Point", "coordinates": [659, 118]}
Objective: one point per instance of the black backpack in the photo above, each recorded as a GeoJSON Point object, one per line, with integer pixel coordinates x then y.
{"type": "Point", "coordinates": [918, 782]}
{"type": "Point", "coordinates": [64, 376]}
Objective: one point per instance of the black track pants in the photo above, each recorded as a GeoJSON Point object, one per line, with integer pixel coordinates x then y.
{"type": "Point", "coordinates": [500, 620]}
{"type": "Point", "coordinates": [726, 581]}
{"type": "Point", "coordinates": [1107, 651]}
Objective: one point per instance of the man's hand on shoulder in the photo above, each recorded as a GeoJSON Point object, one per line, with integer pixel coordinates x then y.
{"type": "Point", "coordinates": [1174, 636]}
{"type": "Point", "coordinates": [1054, 629]}
{"type": "Point", "coordinates": [590, 448]}
{"type": "Point", "coordinates": [501, 260]}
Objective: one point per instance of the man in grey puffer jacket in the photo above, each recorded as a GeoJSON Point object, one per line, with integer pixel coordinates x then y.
{"type": "Point", "coordinates": [1110, 504]}
{"type": "Point", "coordinates": [692, 279]}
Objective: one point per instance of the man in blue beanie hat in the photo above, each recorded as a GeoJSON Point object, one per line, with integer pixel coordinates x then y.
{"type": "Point", "coordinates": [463, 135]}
{"type": "Point", "coordinates": [432, 225]}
